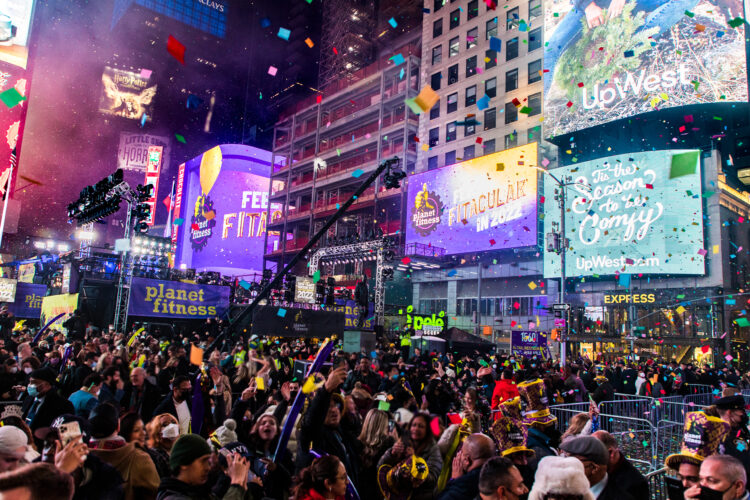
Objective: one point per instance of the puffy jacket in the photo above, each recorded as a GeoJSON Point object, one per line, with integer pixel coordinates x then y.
{"type": "Point", "coordinates": [504, 389]}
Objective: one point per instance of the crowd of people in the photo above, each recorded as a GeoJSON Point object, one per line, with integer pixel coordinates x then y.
{"type": "Point", "coordinates": [108, 415]}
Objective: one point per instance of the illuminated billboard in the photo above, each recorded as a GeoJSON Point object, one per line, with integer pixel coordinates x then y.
{"type": "Point", "coordinates": [487, 203]}
{"type": "Point", "coordinates": [634, 218]}
{"type": "Point", "coordinates": [132, 154]}
{"type": "Point", "coordinates": [126, 94]}
{"type": "Point", "coordinates": [221, 219]}
{"type": "Point", "coordinates": [604, 62]}
{"type": "Point", "coordinates": [15, 25]}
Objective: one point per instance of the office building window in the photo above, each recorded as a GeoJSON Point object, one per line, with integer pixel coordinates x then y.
{"type": "Point", "coordinates": [469, 130]}
{"type": "Point", "coordinates": [469, 152]}
{"type": "Point", "coordinates": [491, 28]}
{"type": "Point", "coordinates": [490, 87]}
{"type": "Point", "coordinates": [471, 96]}
{"type": "Point", "coordinates": [471, 38]}
{"type": "Point", "coordinates": [511, 112]}
{"type": "Point", "coordinates": [535, 39]}
{"type": "Point", "coordinates": [437, 5]}
{"type": "Point", "coordinates": [452, 103]}
{"type": "Point", "coordinates": [490, 59]}
{"type": "Point", "coordinates": [472, 9]}
{"type": "Point", "coordinates": [535, 71]}
{"type": "Point", "coordinates": [535, 103]}
{"type": "Point", "coordinates": [453, 74]}
{"type": "Point", "coordinates": [435, 81]}
{"type": "Point", "coordinates": [450, 132]}
{"type": "Point", "coordinates": [432, 163]}
{"type": "Point", "coordinates": [437, 54]}
{"type": "Point", "coordinates": [511, 49]}
{"type": "Point", "coordinates": [535, 8]}
{"type": "Point", "coordinates": [434, 136]}
{"type": "Point", "coordinates": [471, 66]}
{"type": "Point", "coordinates": [437, 28]}
{"type": "Point", "coordinates": [435, 111]}
{"type": "Point", "coordinates": [511, 19]}
{"type": "Point", "coordinates": [511, 140]}
{"type": "Point", "coordinates": [455, 19]}
{"type": "Point", "coordinates": [489, 146]}
{"type": "Point", "coordinates": [489, 118]}
{"type": "Point", "coordinates": [450, 158]}
{"type": "Point", "coordinates": [534, 134]}
{"type": "Point", "coordinates": [511, 80]}
{"type": "Point", "coordinates": [453, 47]}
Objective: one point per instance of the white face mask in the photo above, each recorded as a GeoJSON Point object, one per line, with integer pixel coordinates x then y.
{"type": "Point", "coordinates": [27, 370]}
{"type": "Point", "coordinates": [14, 369]}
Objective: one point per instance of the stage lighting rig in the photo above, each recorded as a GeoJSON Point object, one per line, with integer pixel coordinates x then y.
{"type": "Point", "coordinates": [98, 201]}
{"type": "Point", "coordinates": [393, 175]}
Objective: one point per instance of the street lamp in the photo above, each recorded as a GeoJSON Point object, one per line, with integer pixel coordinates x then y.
{"type": "Point", "coordinates": [558, 243]}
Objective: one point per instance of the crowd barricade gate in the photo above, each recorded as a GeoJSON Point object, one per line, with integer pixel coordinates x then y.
{"type": "Point", "coordinates": [657, 488]}
{"type": "Point", "coordinates": [700, 389]}
{"type": "Point", "coordinates": [669, 439]}
{"type": "Point", "coordinates": [631, 406]}
{"type": "Point", "coordinates": [700, 400]}
{"type": "Point", "coordinates": [565, 411]}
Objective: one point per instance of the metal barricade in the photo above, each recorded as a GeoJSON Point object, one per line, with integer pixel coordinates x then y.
{"type": "Point", "coordinates": [657, 489]}
{"type": "Point", "coordinates": [564, 412]}
{"type": "Point", "coordinates": [698, 401]}
{"type": "Point", "coordinates": [669, 440]}
{"type": "Point", "coordinates": [700, 388]}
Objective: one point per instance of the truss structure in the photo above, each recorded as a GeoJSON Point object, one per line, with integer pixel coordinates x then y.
{"type": "Point", "coordinates": [346, 44]}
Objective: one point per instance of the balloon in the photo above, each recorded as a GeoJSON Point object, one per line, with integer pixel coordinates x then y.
{"type": "Point", "coordinates": [210, 168]}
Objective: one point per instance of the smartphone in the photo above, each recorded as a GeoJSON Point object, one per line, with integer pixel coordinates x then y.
{"type": "Point", "coordinates": [391, 425]}
{"type": "Point", "coordinates": [69, 432]}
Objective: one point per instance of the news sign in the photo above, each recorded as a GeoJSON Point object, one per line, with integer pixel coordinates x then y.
{"type": "Point", "coordinates": [633, 219]}
{"type": "Point", "coordinates": [487, 203]}
{"type": "Point", "coordinates": [606, 61]}
{"type": "Point", "coordinates": [126, 94]}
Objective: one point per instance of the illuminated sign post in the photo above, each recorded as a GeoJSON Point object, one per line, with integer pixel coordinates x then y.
{"type": "Point", "coordinates": [633, 219]}
{"type": "Point", "coordinates": [153, 169]}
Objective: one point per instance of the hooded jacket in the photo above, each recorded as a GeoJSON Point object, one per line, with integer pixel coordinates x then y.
{"type": "Point", "coordinates": [136, 468]}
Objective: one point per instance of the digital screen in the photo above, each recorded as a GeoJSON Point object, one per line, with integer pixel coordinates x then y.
{"type": "Point", "coordinates": [127, 94]}
{"type": "Point", "coordinates": [206, 15]}
{"type": "Point", "coordinates": [481, 204]}
{"type": "Point", "coordinates": [15, 25]}
{"type": "Point", "coordinates": [606, 61]}
{"type": "Point", "coordinates": [633, 219]}
{"type": "Point", "coordinates": [222, 219]}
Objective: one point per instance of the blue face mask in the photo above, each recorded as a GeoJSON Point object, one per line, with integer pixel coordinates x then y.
{"type": "Point", "coordinates": [32, 390]}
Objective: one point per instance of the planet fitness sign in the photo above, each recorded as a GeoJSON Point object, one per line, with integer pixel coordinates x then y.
{"type": "Point", "coordinates": [633, 219]}
{"type": "Point", "coordinates": [481, 204]}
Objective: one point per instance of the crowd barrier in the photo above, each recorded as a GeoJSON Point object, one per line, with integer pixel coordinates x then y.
{"type": "Point", "coordinates": [656, 488]}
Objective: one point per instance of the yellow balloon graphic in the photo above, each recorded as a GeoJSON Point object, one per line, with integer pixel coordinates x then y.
{"type": "Point", "coordinates": [210, 168]}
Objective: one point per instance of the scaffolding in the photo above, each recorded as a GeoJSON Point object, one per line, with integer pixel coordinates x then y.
{"type": "Point", "coordinates": [346, 44]}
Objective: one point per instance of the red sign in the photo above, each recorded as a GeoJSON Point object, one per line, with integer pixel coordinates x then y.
{"type": "Point", "coordinates": [177, 202]}
{"type": "Point", "coordinates": [153, 168]}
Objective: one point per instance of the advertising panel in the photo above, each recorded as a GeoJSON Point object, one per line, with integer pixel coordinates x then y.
{"type": "Point", "coordinates": [11, 128]}
{"type": "Point", "coordinates": [15, 25]}
{"type": "Point", "coordinates": [304, 290]}
{"type": "Point", "coordinates": [28, 303]}
{"type": "Point", "coordinates": [174, 299]}
{"type": "Point", "coordinates": [528, 343]}
{"type": "Point", "coordinates": [350, 309]}
{"type": "Point", "coordinates": [126, 94]}
{"type": "Point", "coordinates": [26, 272]}
{"type": "Point", "coordinates": [223, 213]}
{"type": "Point", "coordinates": [605, 61]}
{"type": "Point", "coordinates": [132, 154]}
{"type": "Point", "coordinates": [632, 219]}
{"type": "Point", "coordinates": [7, 290]}
{"type": "Point", "coordinates": [54, 305]}
{"type": "Point", "coordinates": [153, 169]}
{"type": "Point", "coordinates": [294, 322]}
{"type": "Point", "coordinates": [487, 203]}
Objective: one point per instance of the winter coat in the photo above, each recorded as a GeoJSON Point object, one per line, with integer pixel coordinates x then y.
{"type": "Point", "coordinates": [174, 489]}
{"type": "Point", "coordinates": [431, 455]}
{"type": "Point", "coordinates": [136, 469]}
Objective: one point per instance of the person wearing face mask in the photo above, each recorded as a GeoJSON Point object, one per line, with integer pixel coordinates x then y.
{"type": "Point", "coordinates": [10, 380]}
{"type": "Point", "coordinates": [42, 403]}
{"type": "Point", "coordinates": [163, 431]}
{"type": "Point", "coordinates": [178, 402]}
{"type": "Point", "coordinates": [722, 477]}
{"type": "Point", "coordinates": [731, 409]}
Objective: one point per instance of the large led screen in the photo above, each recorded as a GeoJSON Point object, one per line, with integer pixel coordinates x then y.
{"type": "Point", "coordinates": [609, 60]}
{"type": "Point", "coordinates": [221, 224]}
{"type": "Point", "coordinates": [127, 94]}
{"type": "Point", "coordinates": [487, 203]}
{"type": "Point", "coordinates": [633, 218]}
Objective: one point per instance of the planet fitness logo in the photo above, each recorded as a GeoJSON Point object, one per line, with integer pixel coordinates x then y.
{"type": "Point", "coordinates": [203, 222]}
{"type": "Point", "coordinates": [426, 211]}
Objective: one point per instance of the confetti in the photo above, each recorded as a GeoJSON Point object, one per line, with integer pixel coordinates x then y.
{"type": "Point", "coordinates": [272, 70]}
{"type": "Point", "coordinates": [392, 22]}
{"type": "Point", "coordinates": [176, 49]}
{"type": "Point", "coordinates": [284, 34]}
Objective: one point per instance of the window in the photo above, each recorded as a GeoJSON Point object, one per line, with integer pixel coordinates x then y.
{"type": "Point", "coordinates": [471, 96]}
{"type": "Point", "coordinates": [535, 8]}
{"type": "Point", "coordinates": [471, 66]}
{"type": "Point", "coordinates": [455, 19]}
{"type": "Point", "coordinates": [471, 38]}
{"type": "Point", "coordinates": [511, 80]}
{"type": "Point", "coordinates": [435, 81]}
{"type": "Point", "coordinates": [511, 140]}
{"type": "Point", "coordinates": [535, 71]}
{"type": "Point", "coordinates": [490, 59]}
{"type": "Point", "coordinates": [535, 39]}
{"type": "Point", "coordinates": [472, 9]}
{"type": "Point", "coordinates": [450, 157]}
{"type": "Point", "coordinates": [435, 111]}
{"type": "Point", "coordinates": [437, 28]}
{"type": "Point", "coordinates": [489, 146]}
{"type": "Point", "coordinates": [511, 19]}
{"type": "Point", "coordinates": [452, 103]}
{"type": "Point", "coordinates": [490, 87]}
{"type": "Point", "coordinates": [535, 134]}
{"type": "Point", "coordinates": [453, 74]}
{"type": "Point", "coordinates": [491, 28]}
{"type": "Point", "coordinates": [489, 118]}
{"type": "Point", "coordinates": [453, 47]}
{"type": "Point", "coordinates": [511, 112]}
{"type": "Point", "coordinates": [535, 103]}
{"type": "Point", "coordinates": [511, 49]}
{"type": "Point", "coordinates": [432, 163]}
{"type": "Point", "coordinates": [437, 5]}
{"type": "Point", "coordinates": [469, 152]}
{"type": "Point", "coordinates": [437, 54]}
{"type": "Point", "coordinates": [450, 132]}
{"type": "Point", "coordinates": [434, 136]}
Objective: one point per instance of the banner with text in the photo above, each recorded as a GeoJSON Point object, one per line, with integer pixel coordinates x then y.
{"type": "Point", "coordinates": [28, 303]}
{"type": "Point", "coordinates": [350, 309]}
{"type": "Point", "coordinates": [7, 290]}
{"type": "Point", "coordinates": [58, 304]}
{"type": "Point", "coordinates": [174, 299]}
{"type": "Point", "coordinates": [528, 343]}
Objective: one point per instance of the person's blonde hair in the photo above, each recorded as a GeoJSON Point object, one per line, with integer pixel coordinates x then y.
{"type": "Point", "coordinates": [374, 429]}
{"type": "Point", "coordinates": [154, 428]}
{"type": "Point", "coordinates": [576, 425]}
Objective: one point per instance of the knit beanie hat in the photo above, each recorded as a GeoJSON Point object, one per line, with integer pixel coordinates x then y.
{"type": "Point", "coordinates": [187, 450]}
{"type": "Point", "coordinates": [224, 434]}
{"type": "Point", "coordinates": [561, 476]}
{"type": "Point", "coordinates": [11, 439]}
